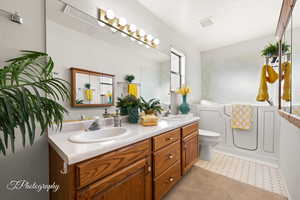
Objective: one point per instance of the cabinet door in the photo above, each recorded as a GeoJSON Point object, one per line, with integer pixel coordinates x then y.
{"type": "Point", "coordinates": [130, 183]}
{"type": "Point", "coordinates": [189, 151]}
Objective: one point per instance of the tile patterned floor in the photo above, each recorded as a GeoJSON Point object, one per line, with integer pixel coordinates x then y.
{"type": "Point", "coordinates": [247, 171]}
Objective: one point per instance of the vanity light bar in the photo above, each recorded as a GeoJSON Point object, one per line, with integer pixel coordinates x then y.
{"type": "Point", "coordinates": [120, 24]}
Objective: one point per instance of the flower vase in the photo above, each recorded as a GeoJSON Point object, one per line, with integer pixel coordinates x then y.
{"type": "Point", "coordinates": [133, 114]}
{"type": "Point", "coordinates": [184, 107]}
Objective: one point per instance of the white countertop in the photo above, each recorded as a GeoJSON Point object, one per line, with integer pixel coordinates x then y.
{"type": "Point", "coordinates": [73, 153]}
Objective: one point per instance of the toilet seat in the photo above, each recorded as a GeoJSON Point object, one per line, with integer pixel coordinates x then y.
{"type": "Point", "coordinates": [208, 133]}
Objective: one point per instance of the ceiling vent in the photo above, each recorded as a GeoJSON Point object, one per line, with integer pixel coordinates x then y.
{"type": "Point", "coordinates": [205, 22]}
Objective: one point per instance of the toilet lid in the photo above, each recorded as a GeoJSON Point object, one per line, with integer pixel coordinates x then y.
{"type": "Point", "coordinates": [208, 133]}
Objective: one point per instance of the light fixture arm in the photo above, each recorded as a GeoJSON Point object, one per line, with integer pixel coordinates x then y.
{"type": "Point", "coordinates": [14, 17]}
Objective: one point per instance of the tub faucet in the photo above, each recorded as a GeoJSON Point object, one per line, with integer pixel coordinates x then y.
{"type": "Point", "coordinates": [95, 125]}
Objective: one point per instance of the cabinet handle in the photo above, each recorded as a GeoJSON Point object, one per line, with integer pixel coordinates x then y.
{"type": "Point", "coordinates": [170, 138]}
{"type": "Point", "coordinates": [171, 156]}
{"type": "Point", "coordinates": [149, 169]}
{"type": "Point", "coordinates": [171, 179]}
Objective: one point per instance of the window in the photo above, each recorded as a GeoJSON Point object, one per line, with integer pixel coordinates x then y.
{"type": "Point", "coordinates": [177, 70]}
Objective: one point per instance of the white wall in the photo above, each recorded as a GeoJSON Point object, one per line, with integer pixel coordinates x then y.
{"type": "Point", "coordinates": [231, 74]}
{"type": "Point", "coordinates": [30, 163]}
{"type": "Point", "coordinates": [289, 157]}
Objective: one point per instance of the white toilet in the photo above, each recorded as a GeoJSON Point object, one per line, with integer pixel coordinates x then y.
{"type": "Point", "coordinates": [207, 140]}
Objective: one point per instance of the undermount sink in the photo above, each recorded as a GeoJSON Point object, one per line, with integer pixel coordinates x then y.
{"type": "Point", "coordinates": [105, 134]}
{"type": "Point", "coordinates": [176, 117]}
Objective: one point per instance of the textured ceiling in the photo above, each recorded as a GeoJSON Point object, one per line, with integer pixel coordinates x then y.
{"type": "Point", "coordinates": [234, 20]}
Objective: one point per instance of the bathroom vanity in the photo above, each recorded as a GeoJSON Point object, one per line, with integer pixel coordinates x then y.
{"type": "Point", "coordinates": [145, 165]}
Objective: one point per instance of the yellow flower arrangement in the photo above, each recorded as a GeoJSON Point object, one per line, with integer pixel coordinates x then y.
{"type": "Point", "coordinates": [109, 94]}
{"type": "Point", "coordinates": [184, 90]}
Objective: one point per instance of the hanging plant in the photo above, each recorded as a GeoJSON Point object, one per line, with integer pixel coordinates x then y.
{"type": "Point", "coordinates": [28, 98]}
{"type": "Point", "coordinates": [129, 78]}
{"type": "Point", "coordinates": [273, 49]}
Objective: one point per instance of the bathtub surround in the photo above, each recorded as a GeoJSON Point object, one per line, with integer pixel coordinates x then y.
{"type": "Point", "coordinates": [260, 142]}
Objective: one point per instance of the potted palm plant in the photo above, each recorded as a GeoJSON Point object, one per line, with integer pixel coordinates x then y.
{"type": "Point", "coordinates": [150, 107]}
{"type": "Point", "coordinates": [133, 104]}
{"type": "Point", "coordinates": [29, 96]}
{"type": "Point", "coordinates": [122, 104]}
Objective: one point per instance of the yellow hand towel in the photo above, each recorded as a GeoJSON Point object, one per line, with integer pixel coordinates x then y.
{"type": "Point", "coordinates": [263, 94]}
{"type": "Point", "coordinates": [89, 94]}
{"type": "Point", "coordinates": [132, 89]}
{"type": "Point", "coordinates": [287, 72]}
{"type": "Point", "coordinates": [241, 117]}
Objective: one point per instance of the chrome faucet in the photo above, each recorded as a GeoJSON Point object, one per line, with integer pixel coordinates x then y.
{"type": "Point", "coordinates": [168, 112]}
{"type": "Point", "coordinates": [95, 125]}
{"type": "Point", "coordinates": [117, 119]}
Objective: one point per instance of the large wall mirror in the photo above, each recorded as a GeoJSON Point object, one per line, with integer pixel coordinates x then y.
{"type": "Point", "coordinates": [75, 39]}
{"type": "Point", "coordinates": [290, 60]}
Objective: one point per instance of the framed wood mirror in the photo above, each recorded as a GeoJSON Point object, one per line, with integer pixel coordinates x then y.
{"type": "Point", "coordinates": [91, 89]}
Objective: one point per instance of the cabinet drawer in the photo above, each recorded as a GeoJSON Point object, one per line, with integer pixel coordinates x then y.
{"type": "Point", "coordinates": [164, 139]}
{"type": "Point", "coordinates": [166, 157]}
{"type": "Point", "coordinates": [96, 168]}
{"type": "Point", "coordinates": [128, 183]}
{"type": "Point", "coordinates": [187, 130]}
{"type": "Point", "coordinates": [167, 180]}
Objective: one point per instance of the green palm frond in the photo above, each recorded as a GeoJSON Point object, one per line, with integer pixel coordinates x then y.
{"type": "Point", "coordinates": [153, 105]}
{"type": "Point", "coordinates": [28, 98]}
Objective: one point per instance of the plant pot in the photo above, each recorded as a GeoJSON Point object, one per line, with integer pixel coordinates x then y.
{"type": "Point", "coordinates": [133, 114]}
{"type": "Point", "coordinates": [123, 111]}
{"type": "Point", "coordinates": [149, 112]}
{"type": "Point", "coordinates": [184, 107]}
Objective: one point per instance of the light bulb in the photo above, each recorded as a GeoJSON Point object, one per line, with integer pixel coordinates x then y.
{"type": "Point", "coordinates": [123, 35]}
{"type": "Point", "coordinates": [113, 30]}
{"type": "Point", "coordinates": [141, 33]}
{"type": "Point", "coordinates": [156, 41]}
{"type": "Point", "coordinates": [101, 24]}
{"type": "Point", "coordinates": [149, 38]}
{"type": "Point", "coordinates": [132, 39]}
{"type": "Point", "coordinates": [139, 42]}
{"type": "Point", "coordinates": [122, 21]}
{"type": "Point", "coordinates": [110, 14]}
{"type": "Point", "coordinates": [132, 28]}
{"type": "Point", "coordinates": [147, 46]}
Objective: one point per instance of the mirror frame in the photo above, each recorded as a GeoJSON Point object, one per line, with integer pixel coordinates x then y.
{"type": "Point", "coordinates": [73, 87]}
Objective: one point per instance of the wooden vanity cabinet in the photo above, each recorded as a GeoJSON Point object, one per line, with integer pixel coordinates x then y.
{"type": "Point", "coordinates": [142, 171]}
{"type": "Point", "coordinates": [122, 174]}
{"type": "Point", "coordinates": [131, 183]}
{"type": "Point", "coordinates": [190, 147]}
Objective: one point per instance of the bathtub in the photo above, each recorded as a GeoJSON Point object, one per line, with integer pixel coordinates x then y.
{"type": "Point", "coordinates": [259, 143]}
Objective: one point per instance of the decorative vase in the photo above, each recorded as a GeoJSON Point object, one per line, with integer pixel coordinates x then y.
{"type": "Point", "coordinates": [123, 111]}
{"type": "Point", "coordinates": [133, 114]}
{"type": "Point", "coordinates": [184, 107]}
